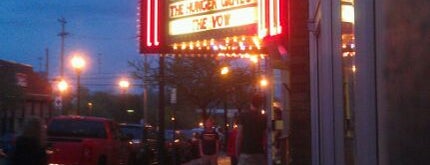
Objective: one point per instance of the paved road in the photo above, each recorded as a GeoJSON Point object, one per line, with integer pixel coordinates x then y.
{"type": "Point", "coordinates": [2, 162]}
{"type": "Point", "coordinates": [222, 160]}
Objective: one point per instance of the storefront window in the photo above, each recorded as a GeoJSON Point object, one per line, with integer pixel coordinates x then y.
{"type": "Point", "coordinates": [348, 69]}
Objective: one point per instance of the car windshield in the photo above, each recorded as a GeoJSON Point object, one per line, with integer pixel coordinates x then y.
{"type": "Point", "coordinates": [77, 128]}
{"type": "Point", "coordinates": [135, 131]}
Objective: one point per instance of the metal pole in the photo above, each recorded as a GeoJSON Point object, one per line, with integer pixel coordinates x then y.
{"type": "Point", "coordinates": [225, 124]}
{"type": "Point", "coordinates": [161, 153]}
{"type": "Point", "coordinates": [78, 91]}
{"type": "Point", "coordinates": [174, 154]}
{"type": "Point", "coordinates": [269, 100]}
{"type": "Point", "coordinates": [63, 35]}
{"type": "Point", "coordinates": [145, 90]}
{"type": "Point", "coordinates": [47, 63]}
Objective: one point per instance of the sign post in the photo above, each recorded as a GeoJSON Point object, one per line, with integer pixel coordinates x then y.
{"type": "Point", "coordinates": [58, 103]}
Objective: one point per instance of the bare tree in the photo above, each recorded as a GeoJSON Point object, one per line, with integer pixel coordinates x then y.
{"type": "Point", "coordinates": [199, 83]}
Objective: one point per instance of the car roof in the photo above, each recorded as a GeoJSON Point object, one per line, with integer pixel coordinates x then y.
{"type": "Point", "coordinates": [132, 125]}
{"type": "Point", "coordinates": [76, 117]}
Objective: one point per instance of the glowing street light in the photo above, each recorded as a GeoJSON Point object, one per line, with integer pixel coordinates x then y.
{"type": "Point", "coordinates": [78, 63]}
{"type": "Point", "coordinates": [123, 85]}
{"type": "Point", "coordinates": [225, 70]}
{"type": "Point", "coordinates": [264, 82]}
{"type": "Point", "coordinates": [62, 86]}
{"type": "Point", "coordinates": [90, 108]}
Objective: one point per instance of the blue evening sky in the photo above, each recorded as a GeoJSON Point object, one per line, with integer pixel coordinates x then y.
{"type": "Point", "coordinates": [105, 28]}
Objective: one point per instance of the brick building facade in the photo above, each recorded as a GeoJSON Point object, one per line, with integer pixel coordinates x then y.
{"type": "Point", "coordinates": [23, 93]}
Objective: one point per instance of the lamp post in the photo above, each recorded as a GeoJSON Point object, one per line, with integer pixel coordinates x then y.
{"type": "Point", "coordinates": [124, 84]}
{"type": "Point", "coordinates": [224, 72]}
{"type": "Point", "coordinates": [78, 64]}
{"type": "Point", "coordinates": [263, 82]}
{"type": "Point", "coordinates": [62, 86]}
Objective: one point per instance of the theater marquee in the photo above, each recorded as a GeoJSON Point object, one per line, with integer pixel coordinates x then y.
{"type": "Point", "coordinates": [209, 25]}
{"type": "Point", "coordinates": [197, 16]}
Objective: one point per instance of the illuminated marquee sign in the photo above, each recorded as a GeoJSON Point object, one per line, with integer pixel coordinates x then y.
{"type": "Point", "coordinates": [201, 15]}
{"type": "Point", "coordinates": [193, 7]}
{"type": "Point", "coordinates": [188, 24]}
{"type": "Point", "coordinates": [220, 20]}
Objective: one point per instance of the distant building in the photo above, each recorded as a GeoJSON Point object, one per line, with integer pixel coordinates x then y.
{"type": "Point", "coordinates": [23, 93]}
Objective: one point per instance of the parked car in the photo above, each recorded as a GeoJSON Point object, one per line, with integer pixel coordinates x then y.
{"type": "Point", "coordinates": [178, 147]}
{"type": "Point", "coordinates": [78, 140]}
{"type": "Point", "coordinates": [7, 142]}
{"type": "Point", "coordinates": [142, 143]}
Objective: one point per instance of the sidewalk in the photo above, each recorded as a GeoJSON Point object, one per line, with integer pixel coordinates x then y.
{"type": "Point", "coordinates": [2, 161]}
{"type": "Point", "coordinates": [222, 160]}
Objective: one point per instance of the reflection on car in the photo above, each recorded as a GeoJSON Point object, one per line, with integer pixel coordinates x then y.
{"type": "Point", "coordinates": [178, 147]}
{"type": "Point", "coordinates": [142, 143]}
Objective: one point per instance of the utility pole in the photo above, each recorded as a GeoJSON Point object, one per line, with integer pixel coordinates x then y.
{"type": "Point", "coordinates": [63, 34]}
{"type": "Point", "coordinates": [47, 63]}
{"type": "Point", "coordinates": [99, 62]}
{"type": "Point", "coordinates": [145, 89]}
{"type": "Point", "coordinates": [269, 109]}
{"type": "Point", "coordinates": [40, 59]}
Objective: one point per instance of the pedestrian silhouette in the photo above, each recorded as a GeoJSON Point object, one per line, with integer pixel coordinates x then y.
{"type": "Point", "coordinates": [209, 144]}
{"type": "Point", "coordinates": [29, 146]}
{"type": "Point", "coordinates": [251, 134]}
{"type": "Point", "coordinates": [231, 146]}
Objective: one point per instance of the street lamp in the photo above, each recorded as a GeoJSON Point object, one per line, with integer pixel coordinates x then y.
{"type": "Point", "coordinates": [224, 71]}
{"type": "Point", "coordinates": [90, 108]}
{"type": "Point", "coordinates": [123, 85]}
{"type": "Point", "coordinates": [264, 82]}
{"type": "Point", "coordinates": [78, 64]}
{"type": "Point", "coordinates": [62, 86]}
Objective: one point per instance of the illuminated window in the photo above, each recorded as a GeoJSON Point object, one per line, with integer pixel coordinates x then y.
{"type": "Point", "coordinates": [348, 69]}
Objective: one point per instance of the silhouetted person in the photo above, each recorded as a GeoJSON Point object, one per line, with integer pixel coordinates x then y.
{"type": "Point", "coordinates": [195, 144]}
{"type": "Point", "coordinates": [29, 147]}
{"type": "Point", "coordinates": [231, 146]}
{"type": "Point", "coordinates": [209, 144]}
{"type": "Point", "coordinates": [251, 133]}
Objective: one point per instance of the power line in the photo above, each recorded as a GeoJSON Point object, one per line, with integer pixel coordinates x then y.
{"type": "Point", "coordinates": [86, 37]}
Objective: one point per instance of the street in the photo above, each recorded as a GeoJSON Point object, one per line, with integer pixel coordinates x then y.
{"type": "Point", "coordinates": [222, 160]}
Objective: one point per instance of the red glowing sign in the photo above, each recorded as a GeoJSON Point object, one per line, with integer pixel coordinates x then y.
{"type": "Point", "coordinates": [152, 34]}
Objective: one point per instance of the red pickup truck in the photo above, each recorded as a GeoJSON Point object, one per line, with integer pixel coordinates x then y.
{"type": "Point", "coordinates": [78, 140]}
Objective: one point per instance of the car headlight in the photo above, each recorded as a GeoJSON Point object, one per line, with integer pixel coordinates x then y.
{"type": "Point", "coordinates": [136, 141]}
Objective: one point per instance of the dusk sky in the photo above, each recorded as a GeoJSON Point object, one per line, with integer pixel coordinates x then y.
{"type": "Point", "coordinates": [97, 27]}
